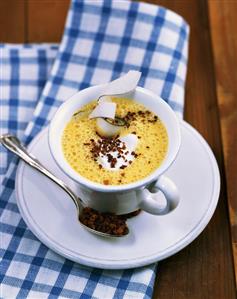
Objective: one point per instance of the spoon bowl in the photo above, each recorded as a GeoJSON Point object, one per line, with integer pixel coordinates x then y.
{"type": "Point", "coordinates": [13, 144]}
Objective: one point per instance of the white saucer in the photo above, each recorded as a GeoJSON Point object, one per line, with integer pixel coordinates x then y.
{"type": "Point", "coordinates": [51, 215]}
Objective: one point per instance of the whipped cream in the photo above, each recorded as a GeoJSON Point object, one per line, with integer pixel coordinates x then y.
{"type": "Point", "coordinates": [121, 157]}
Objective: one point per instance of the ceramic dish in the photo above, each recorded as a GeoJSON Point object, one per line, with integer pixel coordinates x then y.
{"type": "Point", "coordinates": [51, 215]}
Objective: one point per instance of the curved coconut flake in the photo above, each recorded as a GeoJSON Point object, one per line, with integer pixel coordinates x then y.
{"type": "Point", "coordinates": [104, 109]}
{"type": "Point", "coordinates": [105, 99]}
{"type": "Point", "coordinates": [106, 129]}
{"type": "Point", "coordinates": [124, 84]}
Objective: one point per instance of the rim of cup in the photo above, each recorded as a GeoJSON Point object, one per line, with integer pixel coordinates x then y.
{"type": "Point", "coordinates": [149, 99]}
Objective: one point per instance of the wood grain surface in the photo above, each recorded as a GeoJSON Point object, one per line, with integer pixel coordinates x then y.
{"type": "Point", "coordinates": [12, 21]}
{"type": "Point", "coordinates": [204, 269]}
{"type": "Point", "coordinates": [223, 20]}
{"type": "Point", "coordinates": [46, 19]}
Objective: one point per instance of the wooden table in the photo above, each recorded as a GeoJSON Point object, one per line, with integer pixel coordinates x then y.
{"type": "Point", "coordinates": [208, 267]}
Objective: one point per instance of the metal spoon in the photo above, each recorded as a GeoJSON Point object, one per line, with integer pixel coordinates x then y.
{"type": "Point", "coordinates": [13, 144]}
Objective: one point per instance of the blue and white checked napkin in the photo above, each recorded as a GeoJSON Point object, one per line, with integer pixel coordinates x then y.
{"type": "Point", "coordinates": [24, 70]}
{"type": "Point", "coordinates": [102, 40]}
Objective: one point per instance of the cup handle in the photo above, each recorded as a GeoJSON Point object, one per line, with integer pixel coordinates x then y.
{"type": "Point", "coordinates": [149, 200]}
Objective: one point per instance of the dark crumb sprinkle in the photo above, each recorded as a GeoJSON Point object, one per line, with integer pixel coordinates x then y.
{"type": "Point", "coordinates": [106, 222]}
{"type": "Point", "coordinates": [123, 166]}
{"type": "Point", "coordinates": [123, 174]}
{"type": "Point", "coordinates": [132, 214]}
{"type": "Point", "coordinates": [105, 146]}
{"type": "Point", "coordinates": [149, 162]}
{"type": "Point", "coordinates": [106, 182]}
{"type": "Point", "coordinates": [144, 115]}
{"type": "Point", "coordinates": [147, 146]}
{"type": "Point", "coordinates": [139, 137]}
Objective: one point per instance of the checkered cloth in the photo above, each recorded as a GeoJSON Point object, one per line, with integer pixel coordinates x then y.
{"type": "Point", "coordinates": [24, 72]}
{"type": "Point", "coordinates": [102, 40]}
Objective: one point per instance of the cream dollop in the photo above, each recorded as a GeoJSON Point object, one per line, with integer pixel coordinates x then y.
{"type": "Point", "coordinates": [122, 159]}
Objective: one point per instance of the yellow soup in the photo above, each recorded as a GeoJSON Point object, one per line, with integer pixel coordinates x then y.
{"type": "Point", "coordinates": [151, 148]}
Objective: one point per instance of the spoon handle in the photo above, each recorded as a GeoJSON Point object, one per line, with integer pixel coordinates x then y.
{"type": "Point", "coordinates": [13, 144]}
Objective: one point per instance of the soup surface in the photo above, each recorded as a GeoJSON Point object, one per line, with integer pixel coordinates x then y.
{"type": "Point", "coordinates": [80, 142]}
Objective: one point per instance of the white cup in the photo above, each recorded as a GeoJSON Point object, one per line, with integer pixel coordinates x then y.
{"type": "Point", "coordinates": [122, 199]}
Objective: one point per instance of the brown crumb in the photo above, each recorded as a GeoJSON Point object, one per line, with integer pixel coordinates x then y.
{"type": "Point", "coordinates": [106, 222]}
{"type": "Point", "coordinates": [104, 146]}
{"type": "Point", "coordinates": [123, 166]}
{"type": "Point", "coordinates": [106, 182]}
{"type": "Point", "coordinates": [132, 214]}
